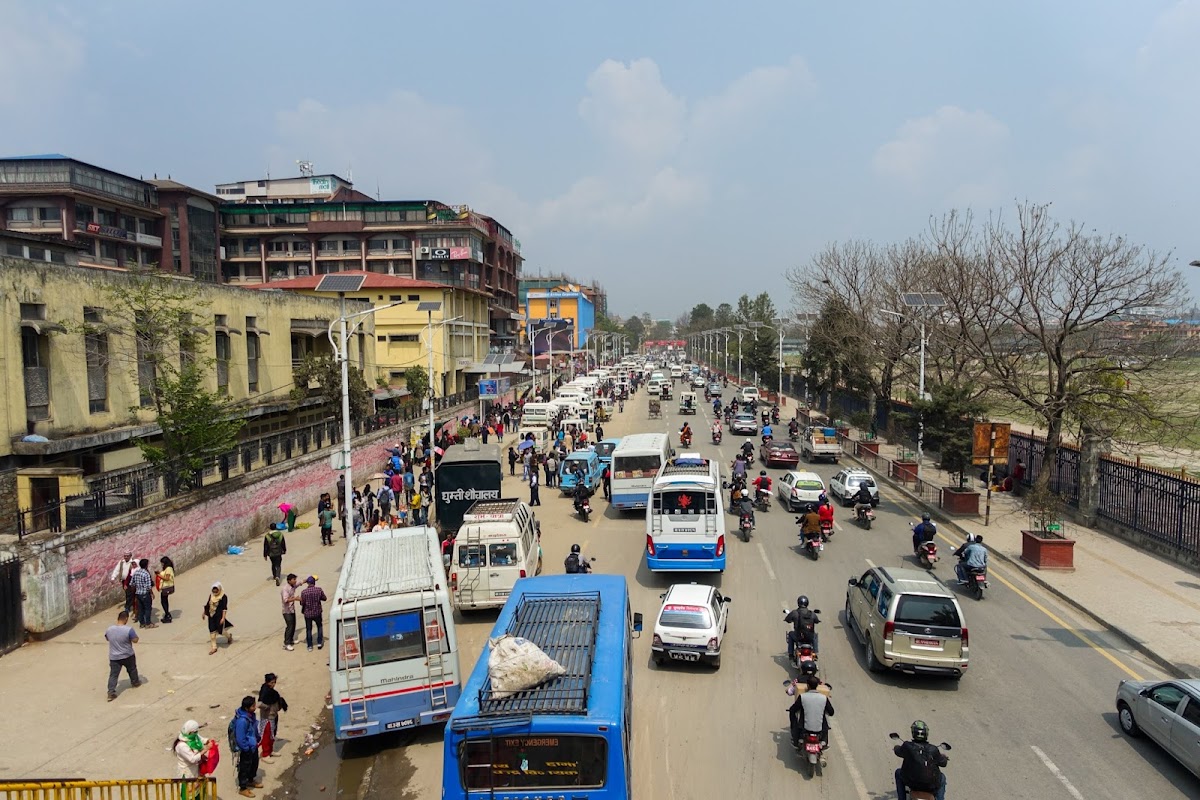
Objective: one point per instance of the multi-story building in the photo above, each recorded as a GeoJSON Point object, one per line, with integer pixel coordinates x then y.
{"type": "Point", "coordinates": [117, 220]}
{"type": "Point", "coordinates": [283, 229]}
{"type": "Point", "coordinates": [457, 332]}
{"type": "Point", "coordinates": [77, 402]}
{"type": "Point", "coordinates": [593, 291]}
{"type": "Point", "coordinates": [563, 314]}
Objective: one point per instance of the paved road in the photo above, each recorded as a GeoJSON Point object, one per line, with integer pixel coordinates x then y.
{"type": "Point", "coordinates": [1032, 719]}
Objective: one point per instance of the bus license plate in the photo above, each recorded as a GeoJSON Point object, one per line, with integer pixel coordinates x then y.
{"type": "Point", "coordinates": [684, 552]}
{"type": "Point", "coordinates": [929, 643]}
{"type": "Point", "coordinates": [401, 723]}
{"type": "Point", "coordinates": [685, 656]}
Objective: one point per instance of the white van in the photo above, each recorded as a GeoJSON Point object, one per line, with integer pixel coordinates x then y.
{"type": "Point", "coordinates": [676, 372]}
{"type": "Point", "coordinates": [496, 545]}
{"type": "Point", "coordinates": [654, 387]}
{"type": "Point", "coordinates": [538, 415]}
{"type": "Point", "coordinates": [541, 437]}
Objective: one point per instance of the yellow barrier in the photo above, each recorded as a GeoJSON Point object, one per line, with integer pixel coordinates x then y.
{"type": "Point", "coordinates": [148, 789]}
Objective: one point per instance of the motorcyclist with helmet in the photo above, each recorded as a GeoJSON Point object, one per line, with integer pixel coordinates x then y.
{"type": "Point", "coordinates": [799, 685]}
{"type": "Point", "coordinates": [972, 557]}
{"type": "Point", "coordinates": [810, 713]}
{"type": "Point", "coordinates": [576, 561]}
{"type": "Point", "coordinates": [922, 533]}
{"type": "Point", "coordinates": [716, 405]}
{"type": "Point", "coordinates": [793, 429]}
{"type": "Point", "coordinates": [685, 435]}
{"type": "Point", "coordinates": [748, 451]}
{"type": "Point", "coordinates": [862, 498]}
{"type": "Point", "coordinates": [762, 483]}
{"type": "Point", "coordinates": [921, 770]}
{"type": "Point", "coordinates": [580, 494]}
{"type": "Point", "coordinates": [810, 523]}
{"type": "Point", "coordinates": [767, 434]}
{"type": "Point", "coordinates": [804, 623]}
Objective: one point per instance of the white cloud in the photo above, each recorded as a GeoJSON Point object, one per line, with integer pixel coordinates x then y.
{"type": "Point", "coordinates": [746, 100]}
{"type": "Point", "coordinates": [629, 106]}
{"type": "Point", "coordinates": [948, 150]}
{"type": "Point", "coordinates": [1171, 43]}
{"type": "Point", "coordinates": [42, 51]}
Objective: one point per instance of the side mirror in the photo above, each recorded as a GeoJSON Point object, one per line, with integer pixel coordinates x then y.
{"type": "Point", "coordinates": [637, 622]}
{"type": "Point", "coordinates": [662, 596]}
{"type": "Point", "coordinates": [853, 582]}
{"type": "Point", "coordinates": [726, 599]}
{"type": "Point", "coordinates": [945, 746]}
{"type": "Point", "coordinates": [895, 736]}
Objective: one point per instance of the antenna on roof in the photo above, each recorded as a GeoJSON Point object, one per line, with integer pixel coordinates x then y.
{"type": "Point", "coordinates": [350, 173]}
{"type": "Point", "coordinates": [306, 168]}
{"type": "Point", "coordinates": [378, 193]}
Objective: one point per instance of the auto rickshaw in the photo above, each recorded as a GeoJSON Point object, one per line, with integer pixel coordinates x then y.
{"type": "Point", "coordinates": [688, 403]}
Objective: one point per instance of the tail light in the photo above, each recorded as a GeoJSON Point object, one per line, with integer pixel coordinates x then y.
{"type": "Point", "coordinates": [657, 641]}
{"type": "Point", "coordinates": [649, 545]}
{"type": "Point", "coordinates": [965, 638]}
{"type": "Point", "coordinates": [522, 573]}
{"type": "Point", "coordinates": [889, 628]}
{"type": "Point", "coordinates": [454, 581]}
{"type": "Point", "coordinates": [712, 643]}
{"type": "Point", "coordinates": [720, 546]}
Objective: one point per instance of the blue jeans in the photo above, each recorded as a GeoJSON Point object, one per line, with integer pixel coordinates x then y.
{"type": "Point", "coordinates": [145, 604]}
{"type": "Point", "coordinates": [940, 794]}
{"type": "Point", "coordinates": [308, 628]}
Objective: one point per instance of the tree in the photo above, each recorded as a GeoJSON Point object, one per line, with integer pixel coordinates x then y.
{"type": "Point", "coordinates": [663, 329]}
{"type": "Point", "coordinates": [949, 416]}
{"type": "Point", "coordinates": [1045, 309]}
{"type": "Point", "coordinates": [636, 330]}
{"type": "Point", "coordinates": [148, 327]}
{"type": "Point", "coordinates": [326, 371]}
{"type": "Point", "coordinates": [723, 317]}
{"type": "Point", "coordinates": [701, 318]}
{"type": "Point", "coordinates": [416, 380]}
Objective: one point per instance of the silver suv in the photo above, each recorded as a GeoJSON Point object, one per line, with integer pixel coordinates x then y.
{"type": "Point", "coordinates": [908, 621]}
{"type": "Point", "coordinates": [844, 485]}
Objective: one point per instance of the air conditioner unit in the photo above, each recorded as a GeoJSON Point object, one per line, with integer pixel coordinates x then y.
{"type": "Point", "coordinates": [424, 251]}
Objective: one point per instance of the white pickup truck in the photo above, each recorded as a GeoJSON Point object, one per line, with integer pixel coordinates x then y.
{"type": "Point", "coordinates": [820, 442]}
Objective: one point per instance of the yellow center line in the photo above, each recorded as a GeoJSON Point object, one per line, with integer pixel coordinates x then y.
{"type": "Point", "coordinates": [992, 572]}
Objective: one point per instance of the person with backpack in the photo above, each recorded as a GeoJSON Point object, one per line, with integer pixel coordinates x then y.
{"type": "Point", "coordinates": [804, 627]}
{"type": "Point", "coordinates": [243, 742]}
{"type": "Point", "coordinates": [923, 762]}
{"type": "Point", "coordinates": [274, 549]}
{"type": "Point", "coordinates": [385, 498]}
{"type": "Point", "coordinates": [576, 562]}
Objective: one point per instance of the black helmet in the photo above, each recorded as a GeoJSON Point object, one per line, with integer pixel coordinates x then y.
{"type": "Point", "coordinates": [925, 518]}
{"type": "Point", "coordinates": [762, 472]}
{"type": "Point", "coordinates": [808, 509]}
{"type": "Point", "coordinates": [802, 601]}
{"type": "Point", "coordinates": [920, 731]}
{"type": "Point", "coordinates": [979, 538]}
{"type": "Point", "coordinates": [574, 548]}
{"type": "Point", "coordinates": [808, 668]}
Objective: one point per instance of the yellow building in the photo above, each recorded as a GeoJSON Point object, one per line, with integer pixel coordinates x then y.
{"type": "Point", "coordinates": [72, 409]}
{"type": "Point", "coordinates": [459, 327]}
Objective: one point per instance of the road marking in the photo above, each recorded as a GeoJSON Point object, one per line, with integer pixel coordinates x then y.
{"type": "Point", "coordinates": [1056, 772]}
{"type": "Point", "coordinates": [762, 551]}
{"type": "Point", "coordinates": [851, 767]}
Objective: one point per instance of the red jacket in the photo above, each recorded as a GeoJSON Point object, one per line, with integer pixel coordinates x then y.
{"type": "Point", "coordinates": [825, 512]}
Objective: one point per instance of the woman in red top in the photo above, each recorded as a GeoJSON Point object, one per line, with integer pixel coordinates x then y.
{"type": "Point", "coordinates": [825, 512]}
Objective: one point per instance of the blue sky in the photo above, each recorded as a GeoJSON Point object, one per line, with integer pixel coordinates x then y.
{"type": "Point", "coordinates": [679, 152]}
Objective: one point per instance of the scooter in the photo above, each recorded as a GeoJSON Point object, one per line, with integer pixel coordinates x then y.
{"type": "Point", "coordinates": [775, 416]}
{"type": "Point", "coordinates": [766, 418]}
{"type": "Point", "coordinates": [685, 440]}
{"type": "Point", "coordinates": [762, 499]}
{"type": "Point", "coordinates": [977, 581]}
{"type": "Point", "coordinates": [745, 525]}
{"type": "Point", "coordinates": [716, 437]}
{"type": "Point", "coordinates": [864, 515]}
{"type": "Point", "coordinates": [917, 794]}
{"type": "Point", "coordinates": [812, 542]}
{"type": "Point", "coordinates": [927, 555]}
{"type": "Point", "coordinates": [793, 436]}
{"type": "Point", "coordinates": [803, 653]}
{"type": "Point", "coordinates": [584, 509]}
{"type": "Point", "coordinates": [826, 529]}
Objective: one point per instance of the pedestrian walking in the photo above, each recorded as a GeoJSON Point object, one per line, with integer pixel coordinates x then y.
{"type": "Point", "coordinates": [121, 639]}
{"type": "Point", "coordinates": [143, 590]}
{"type": "Point", "coordinates": [274, 549]}
{"type": "Point", "coordinates": [121, 573]}
{"type": "Point", "coordinates": [289, 596]}
{"type": "Point", "coordinates": [397, 482]}
{"type": "Point", "coordinates": [190, 748]}
{"type": "Point", "coordinates": [326, 518]}
{"type": "Point", "coordinates": [512, 461]}
{"type": "Point", "coordinates": [245, 736]}
{"type": "Point", "coordinates": [341, 494]}
{"type": "Point", "coordinates": [310, 605]}
{"type": "Point", "coordinates": [551, 470]}
{"type": "Point", "coordinates": [599, 433]}
{"type": "Point", "coordinates": [270, 703]}
{"type": "Point", "coordinates": [166, 586]}
{"type": "Point", "coordinates": [385, 498]}
{"type": "Point", "coordinates": [606, 477]}
{"type": "Point", "coordinates": [534, 500]}
{"type": "Point", "coordinates": [526, 463]}
{"type": "Point", "coordinates": [368, 501]}
{"type": "Point", "coordinates": [216, 610]}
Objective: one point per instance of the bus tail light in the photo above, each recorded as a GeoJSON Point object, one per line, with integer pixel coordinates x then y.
{"type": "Point", "coordinates": [720, 546]}
{"type": "Point", "coordinates": [649, 545]}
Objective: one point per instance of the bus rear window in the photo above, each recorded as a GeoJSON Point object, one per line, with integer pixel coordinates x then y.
{"type": "Point", "coordinates": [636, 466]}
{"type": "Point", "coordinates": [393, 637]}
{"type": "Point", "coordinates": [548, 761]}
{"type": "Point", "coordinates": [685, 503]}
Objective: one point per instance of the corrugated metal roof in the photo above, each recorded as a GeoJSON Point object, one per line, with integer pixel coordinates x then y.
{"type": "Point", "coordinates": [389, 561]}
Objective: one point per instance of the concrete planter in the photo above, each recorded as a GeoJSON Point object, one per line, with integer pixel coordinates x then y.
{"type": "Point", "coordinates": [960, 501]}
{"type": "Point", "coordinates": [1048, 550]}
{"type": "Point", "coordinates": [904, 470]}
{"type": "Point", "coordinates": [864, 446]}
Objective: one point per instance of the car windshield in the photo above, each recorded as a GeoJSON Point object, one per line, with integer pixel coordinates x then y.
{"type": "Point", "coordinates": [675, 615]}
{"type": "Point", "coordinates": [916, 609]}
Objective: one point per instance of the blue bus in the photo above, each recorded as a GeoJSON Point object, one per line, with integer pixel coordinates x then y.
{"type": "Point", "coordinates": [570, 736]}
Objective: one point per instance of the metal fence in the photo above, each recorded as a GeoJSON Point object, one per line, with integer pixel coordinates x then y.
{"type": "Point", "coordinates": [150, 789]}
{"type": "Point", "coordinates": [118, 492]}
{"type": "Point", "coordinates": [1032, 450]}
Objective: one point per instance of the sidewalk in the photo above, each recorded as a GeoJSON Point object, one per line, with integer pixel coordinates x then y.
{"type": "Point", "coordinates": [1147, 600]}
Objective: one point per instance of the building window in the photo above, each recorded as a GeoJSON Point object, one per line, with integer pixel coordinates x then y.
{"type": "Point", "coordinates": [35, 355]}
{"type": "Point", "coordinates": [327, 246]}
{"type": "Point", "coordinates": [84, 213]}
{"type": "Point", "coordinates": [250, 246]}
{"type": "Point", "coordinates": [377, 246]}
{"type": "Point", "coordinates": [178, 263]}
{"type": "Point", "coordinates": [404, 337]}
{"type": "Point", "coordinates": [145, 359]}
{"type": "Point", "coordinates": [95, 345]}
{"type": "Point", "coordinates": [395, 298]}
{"type": "Point", "coordinates": [222, 352]}
{"type": "Point", "coordinates": [108, 218]}
{"type": "Point", "coordinates": [251, 358]}
{"type": "Point", "coordinates": [402, 245]}
{"type": "Point", "coordinates": [108, 250]}
{"type": "Point", "coordinates": [37, 253]}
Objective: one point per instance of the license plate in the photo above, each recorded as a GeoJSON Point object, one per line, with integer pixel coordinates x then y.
{"type": "Point", "coordinates": [684, 553]}
{"type": "Point", "coordinates": [682, 656]}
{"type": "Point", "coordinates": [812, 747]}
{"type": "Point", "coordinates": [500, 594]}
{"type": "Point", "coordinates": [402, 723]}
{"type": "Point", "coordinates": [980, 579]}
{"type": "Point", "coordinates": [928, 643]}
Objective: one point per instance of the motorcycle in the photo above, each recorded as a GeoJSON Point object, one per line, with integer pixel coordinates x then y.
{"type": "Point", "coordinates": [917, 794]}
{"type": "Point", "coordinates": [716, 437]}
{"type": "Point", "coordinates": [977, 581]}
{"type": "Point", "coordinates": [584, 509]}
{"type": "Point", "coordinates": [812, 542]}
{"type": "Point", "coordinates": [812, 752]}
{"type": "Point", "coordinates": [864, 515]}
{"type": "Point", "coordinates": [775, 416]}
{"type": "Point", "coordinates": [927, 555]}
{"type": "Point", "coordinates": [685, 440]}
{"type": "Point", "coordinates": [803, 653]}
{"type": "Point", "coordinates": [826, 529]}
{"type": "Point", "coordinates": [762, 499]}
{"type": "Point", "coordinates": [745, 525]}
{"type": "Point", "coordinates": [793, 436]}
{"type": "Point", "coordinates": [766, 418]}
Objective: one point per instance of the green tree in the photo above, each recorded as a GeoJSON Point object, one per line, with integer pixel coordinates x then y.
{"type": "Point", "coordinates": [635, 329]}
{"type": "Point", "coordinates": [949, 415]}
{"type": "Point", "coordinates": [701, 318]}
{"type": "Point", "coordinates": [723, 317]}
{"type": "Point", "coordinates": [416, 380]}
{"type": "Point", "coordinates": [326, 372]}
{"type": "Point", "coordinates": [663, 329]}
{"type": "Point", "coordinates": [149, 328]}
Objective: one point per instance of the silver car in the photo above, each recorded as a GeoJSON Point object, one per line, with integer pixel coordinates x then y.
{"type": "Point", "coordinates": [1167, 712]}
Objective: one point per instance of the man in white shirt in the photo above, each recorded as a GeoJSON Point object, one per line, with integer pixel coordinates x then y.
{"type": "Point", "coordinates": [121, 573]}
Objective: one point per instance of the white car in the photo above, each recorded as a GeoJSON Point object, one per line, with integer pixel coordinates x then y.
{"type": "Point", "coordinates": [691, 625]}
{"type": "Point", "coordinates": [844, 485]}
{"type": "Point", "coordinates": [796, 489]}
{"type": "Point", "coordinates": [654, 388]}
{"type": "Point", "coordinates": [698, 381]}
{"type": "Point", "coordinates": [748, 394]}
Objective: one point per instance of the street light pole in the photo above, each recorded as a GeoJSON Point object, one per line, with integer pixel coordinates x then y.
{"type": "Point", "coordinates": [780, 321]}
{"type": "Point", "coordinates": [739, 330]}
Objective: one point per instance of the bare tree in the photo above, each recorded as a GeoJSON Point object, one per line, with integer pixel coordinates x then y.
{"type": "Point", "coordinates": [1050, 313]}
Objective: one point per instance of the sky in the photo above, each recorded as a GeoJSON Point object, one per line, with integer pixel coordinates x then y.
{"type": "Point", "coordinates": [676, 152]}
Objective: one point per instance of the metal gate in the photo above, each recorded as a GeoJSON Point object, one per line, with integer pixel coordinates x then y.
{"type": "Point", "coordinates": [12, 620]}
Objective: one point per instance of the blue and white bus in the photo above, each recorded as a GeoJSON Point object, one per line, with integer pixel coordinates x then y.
{"type": "Point", "coordinates": [685, 521]}
{"type": "Point", "coordinates": [636, 461]}
{"type": "Point", "coordinates": [394, 663]}
{"type": "Point", "coordinates": [570, 736]}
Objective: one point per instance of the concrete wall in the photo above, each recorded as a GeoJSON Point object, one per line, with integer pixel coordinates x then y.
{"type": "Point", "coordinates": [66, 576]}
